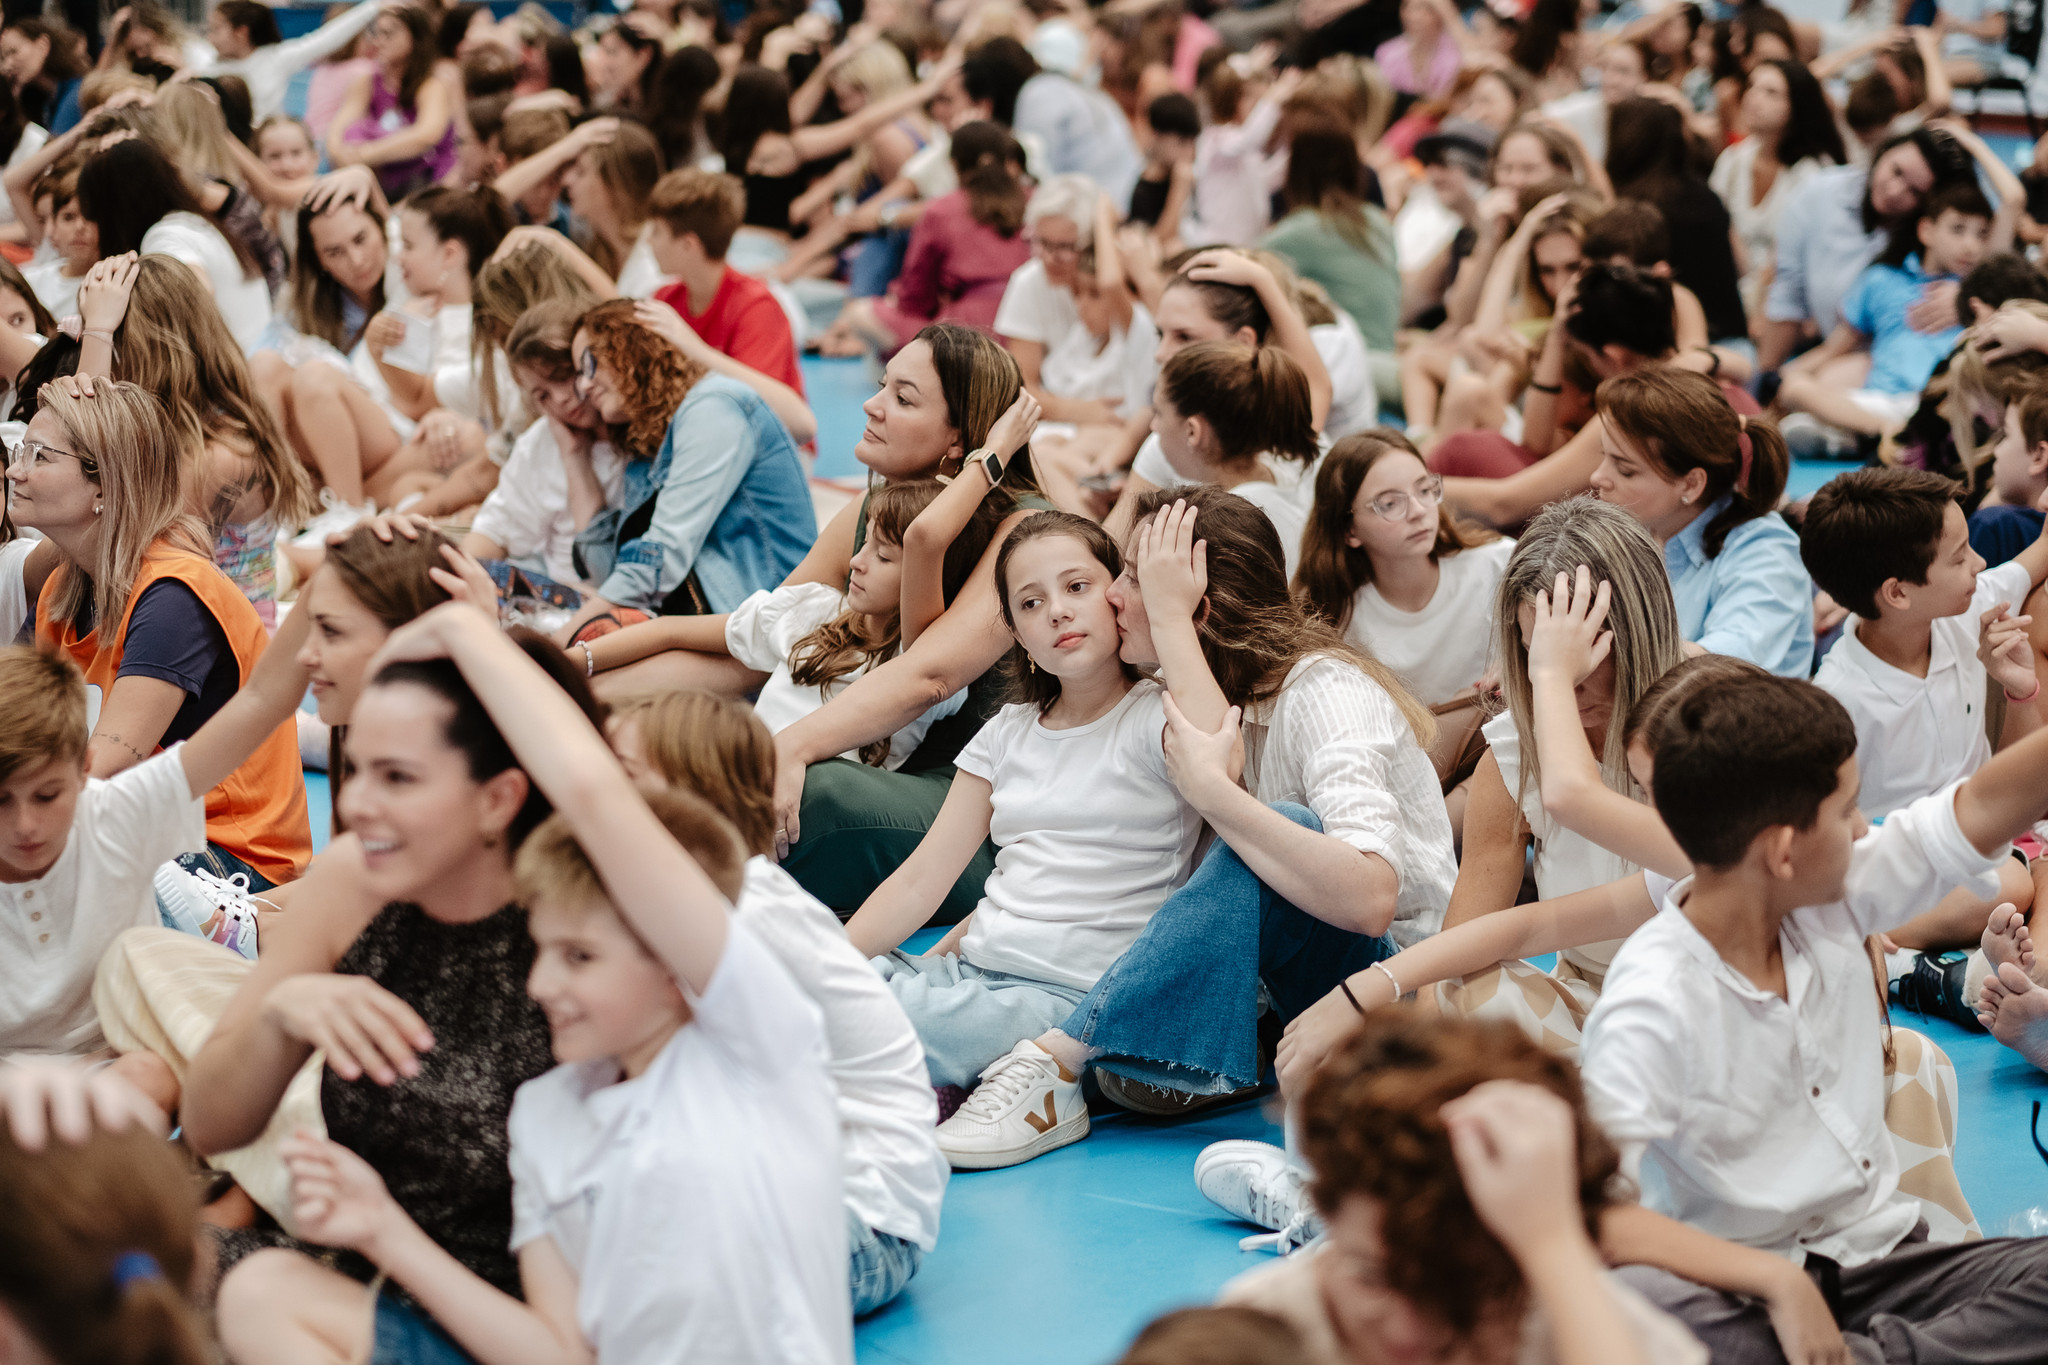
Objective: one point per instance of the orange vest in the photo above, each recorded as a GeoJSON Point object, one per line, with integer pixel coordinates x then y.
{"type": "Point", "coordinates": [259, 813]}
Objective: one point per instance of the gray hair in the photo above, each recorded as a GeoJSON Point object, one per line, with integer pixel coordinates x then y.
{"type": "Point", "coordinates": [1071, 196]}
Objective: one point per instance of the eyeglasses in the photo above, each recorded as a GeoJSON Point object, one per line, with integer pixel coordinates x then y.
{"type": "Point", "coordinates": [1056, 248]}
{"type": "Point", "coordinates": [1394, 506]}
{"type": "Point", "coordinates": [37, 454]}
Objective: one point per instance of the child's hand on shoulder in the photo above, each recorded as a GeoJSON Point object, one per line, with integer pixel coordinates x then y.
{"type": "Point", "coordinates": [338, 1199]}
{"type": "Point", "coordinates": [2007, 653]}
{"type": "Point", "coordinates": [1566, 641]}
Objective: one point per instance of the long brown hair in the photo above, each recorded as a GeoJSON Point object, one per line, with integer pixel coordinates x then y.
{"type": "Point", "coordinates": [854, 639]}
{"type": "Point", "coordinates": [717, 748]}
{"type": "Point", "coordinates": [979, 380]}
{"type": "Point", "coordinates": [98, 1243]}
{"type": "Point", "coordinates": [985, 158]}
{"type": "Point", "coordinates": [540, 338]}
{"type": "Point", "coordinates": [1681, 421]}
{"type": "Point", "coordinates": [1332, 570]}
{"type": "Point", "coordinates": [316, 294]}
{"type": "Point", "coordinates": [655, 375]}
{"type": "Point", "coordinates": [627, 166]}
{"type": "Point", "coordinates": [1253, 398]}
{"type": "Point", "coordinates": [1028, 682]}
{"type": "Point", "coordinates": [1253, 631]}
{"type": "Point", "coordinates": [124, 444]}
{"type": "Point", "coordinates": [174, 343]}
{"type": "Point", "coordinates": [506, 288]}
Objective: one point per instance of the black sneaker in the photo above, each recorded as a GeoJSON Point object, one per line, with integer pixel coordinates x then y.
{"type": "Point", "coordinates": [1935, 986]}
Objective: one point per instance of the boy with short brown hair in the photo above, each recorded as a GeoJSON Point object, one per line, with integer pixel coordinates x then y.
{"type": "Point", "coordinates": [692, 216]}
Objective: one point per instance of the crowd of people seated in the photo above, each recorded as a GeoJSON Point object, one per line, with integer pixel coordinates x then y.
{"type": "Point", "coordinates": [1325, 541]}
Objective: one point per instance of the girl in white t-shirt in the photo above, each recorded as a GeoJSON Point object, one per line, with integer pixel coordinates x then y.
{"type": "Point", "coordinates": [1091, 836]}
{"type": "Point", "coordinates": [1227, 414]}
{"type": "Point", "coordinates": [1384, 560]}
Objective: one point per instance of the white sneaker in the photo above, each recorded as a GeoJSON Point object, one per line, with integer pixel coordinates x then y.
{"type": "Point", "coordinates": [220, 910]}
{"type": "Point", "coordinates": [334, 516]}
{"type": "Point", "coordinates": [1256, 1182]}
{"type": "Point", "coordinates": [1026, 1105]}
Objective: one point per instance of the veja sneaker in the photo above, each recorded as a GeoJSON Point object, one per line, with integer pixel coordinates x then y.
{"type": "Point", "coordinates": [1255, 1182]}
{"type": "Point", "coordinates": [217, 909]}
{"type": "Point", "coordinates": [1026, 1105]}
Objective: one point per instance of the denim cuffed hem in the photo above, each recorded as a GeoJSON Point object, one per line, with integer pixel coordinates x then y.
{"type": "Point", "coordinates": [1186, 1080]}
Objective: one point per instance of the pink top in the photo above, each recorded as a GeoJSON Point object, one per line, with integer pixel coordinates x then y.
{"type": "Point", "coordinates": [324, 93]}
{"type": "Point", "coordinates": [1396, 64]}
{"type": "Point", "coordinates": [1195, 38]}
{"type": "Point", "coordinates": [955, 270]}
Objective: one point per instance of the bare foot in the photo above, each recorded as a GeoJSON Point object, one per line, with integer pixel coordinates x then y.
{"type": "Point", "coordinates": [2006, 939]}
{"type": "Point", "coordinates": [2015, 1009]}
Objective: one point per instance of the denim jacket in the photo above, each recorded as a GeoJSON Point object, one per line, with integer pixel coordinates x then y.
{"type": "Point", "coordinates": [725, 499]}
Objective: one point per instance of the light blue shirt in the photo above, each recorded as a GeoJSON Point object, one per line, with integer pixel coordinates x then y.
{"type": "Point", "coordinates": [1822, 248]}
{"type": "Point", "coordinates": [725, 499]}
{"type": "Point", "coordinates": [1753, 601]}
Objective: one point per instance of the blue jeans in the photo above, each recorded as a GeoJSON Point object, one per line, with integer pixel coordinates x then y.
{"type": "Point", "coordinates": [407, 1336]}
{"type": "Point", "coordinates": [882, 1263]}
{"type": "Point", "coordinates": [1180, 1008]}
{"type": "Point", "coordinates": [967, 1017]}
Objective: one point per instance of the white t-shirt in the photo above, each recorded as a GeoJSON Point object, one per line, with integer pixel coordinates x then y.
{"type": "Point", "coordinates": [640, 276]}
{"type": "Point", "coordinates": [33, 137]}
{"type": "Point", "coordinates": [895, 1173]}
{"type": "Point", "coordinates": [1288, 500]}
{"type": "Point", "coordinates": [55, 929]}
{"type": "Point", "coordinates": [459, 388]}
{"type": "Point", "coordinates": [1036, 309]}
{"type": "Point", "coordinates": [1441, 650]}
{"type": "Point", "coordinates": [1756, 222]}
{"type": "Point", "coordinates": [16, 615]}
{"type": "Point", "coordinates": [1565, 861]}
{"type": "Point", "coordinates": [1918, 735]}
{"type": "Point", "coordinates": [1119, 370]}
{"type": "Point", "coordinates": [764, 629]}
{"type": "Point", "coordinates": [1091, 837]}
{"type": "Point", "coordinates": [58, 291]}
{"type": "Point", "coordinates": [1354, 401]}
{"type": "Point", "coordinates": [243, 300]}
{"type": "Point", "coordinates": [700, 1203]}
{"type": "Point", "coordinates": [527, 514]}
{"type": "Point", "coordinates": [451, 352]}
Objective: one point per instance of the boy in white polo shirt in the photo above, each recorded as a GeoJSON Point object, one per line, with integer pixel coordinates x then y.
{"type": "Point", "coordinates": [677, 1194]}
{"type": "Point", "coordinates": [1933, 630]}
{"type": "Point", "coordinates": [1735, 1056]}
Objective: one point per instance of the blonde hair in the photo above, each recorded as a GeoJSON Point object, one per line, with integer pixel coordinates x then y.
{"type": "Point", "coordinates": [188, 122]}
{"type": "Point", "coordinates": [552, 867]}
{"type": "Point", "coordinates": [122, 437]}
{"type": "Point", "coordinates": [628, 166]}
{"type": "Point", "coordinates": [878, 71]}
{"type": "Point", "coordinates": [1647, 643]}
{"type": "Point", "coordinates": [174, 343]}
{"type": "Point", "coordinates": [506, 287]}
{"type": "Point", "coordinates": [717, 748]}
{"type": "Point", "coordinates": [43, 697]}
{"type": "Point", "coordinates": [1971, 376]}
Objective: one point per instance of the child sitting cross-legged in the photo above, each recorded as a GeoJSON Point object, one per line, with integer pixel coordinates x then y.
{"type": "Point", "coordinates": [1914, 672]}
{"type": "Point", "coordinates": [676, 1180]}
{"type": "Point", "coordinates": [1091, 835]}
{"type": "Point", "coordinates": [1735, 1054]}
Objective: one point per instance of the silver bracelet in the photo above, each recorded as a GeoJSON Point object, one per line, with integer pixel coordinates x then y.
{"type": "Point", "coordinates": [1388, 972]}
{"type": "Point", "coordinates": [589, 660]}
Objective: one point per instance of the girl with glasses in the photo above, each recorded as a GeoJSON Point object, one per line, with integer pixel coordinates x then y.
{"type": "Point", "coordinates": [1384, 560]}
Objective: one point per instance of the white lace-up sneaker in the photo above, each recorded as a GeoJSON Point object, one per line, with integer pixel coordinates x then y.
{"type": "Point", "coordinates": [1257, 1183]}
{"type": "Point", "coordinates": [335, 515]}
{"type": "Point", "coordinates": [218, 909]}
{"type": "Point", "coordinates": [1026, 1105]}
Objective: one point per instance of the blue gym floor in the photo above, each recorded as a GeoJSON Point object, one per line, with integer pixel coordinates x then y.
{"type": "Point", "coordinates": [1065, 1258]}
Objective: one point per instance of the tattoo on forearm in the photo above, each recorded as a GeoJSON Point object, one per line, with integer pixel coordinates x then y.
{"type": "Point", "coordinates": [116, 739]}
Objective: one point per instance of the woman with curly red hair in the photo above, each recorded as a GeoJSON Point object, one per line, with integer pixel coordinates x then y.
{"type": "Point", "coordinates": [716, 504]}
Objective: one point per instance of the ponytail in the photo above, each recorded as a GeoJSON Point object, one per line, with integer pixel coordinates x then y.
{"type": "Point", "coordinates": [1681, 421]}
{"type": "Point", "coordinates": [983, 157]}
{"type": "Point", "coordinates": [1253, 399]}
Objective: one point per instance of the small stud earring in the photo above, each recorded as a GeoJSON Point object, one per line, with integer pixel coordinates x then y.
{"type": "Point", "coordinates": [97, 509]}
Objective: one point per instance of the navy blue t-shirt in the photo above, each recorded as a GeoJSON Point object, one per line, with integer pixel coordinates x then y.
{"type": "Point", "coordinates": [2000, 533]}
{"type": "Point", "coordinates": [173, 638]}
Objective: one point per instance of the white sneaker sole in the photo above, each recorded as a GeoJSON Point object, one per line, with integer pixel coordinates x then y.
{"type": "Point", "coordinates": [1052, 1139]}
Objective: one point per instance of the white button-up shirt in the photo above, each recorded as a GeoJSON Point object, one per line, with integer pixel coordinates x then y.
{"type": "Point", "coordinates": [1760, 1119]}
{"type": "Point", "coordinates": [1918, 735]}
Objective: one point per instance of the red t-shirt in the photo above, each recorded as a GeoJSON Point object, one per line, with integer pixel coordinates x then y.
{"type": "Point", "coordinates": [745, 322]}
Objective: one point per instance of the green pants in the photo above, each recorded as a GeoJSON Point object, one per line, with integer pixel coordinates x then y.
{"type": "Point", "coordinates": [859, 824]}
